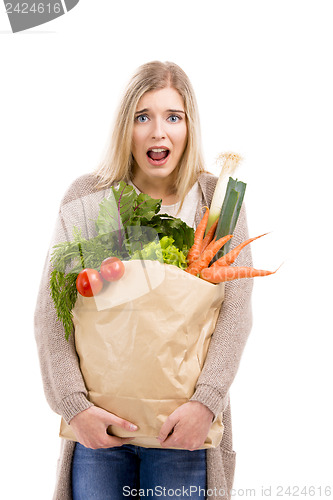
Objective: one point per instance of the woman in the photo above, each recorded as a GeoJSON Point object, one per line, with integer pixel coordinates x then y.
{"type": "Point", "coordinates": [155, 147]}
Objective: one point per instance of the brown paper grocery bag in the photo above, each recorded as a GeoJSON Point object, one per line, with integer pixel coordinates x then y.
{"type": "Point", "coordinates": [142, 343]}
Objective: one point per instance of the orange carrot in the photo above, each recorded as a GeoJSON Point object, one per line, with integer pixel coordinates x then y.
{"type": "Point", "coordinates": [207, 255]}
{"type": "Point", "coordinates": [195, 250]}
{"type": "Point", "coordinates": [231, 256]}
{"type": "Point", "coordinates": [209, 236]}
{"type": "Point", "coordinates": [229, 273]}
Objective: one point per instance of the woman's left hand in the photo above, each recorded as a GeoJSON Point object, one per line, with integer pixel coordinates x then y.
{"type": "Point", "coordinates": [189, 425]}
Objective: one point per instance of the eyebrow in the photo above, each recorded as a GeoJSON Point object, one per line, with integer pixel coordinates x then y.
{"type": "Point", "coordinates": [168, 111]}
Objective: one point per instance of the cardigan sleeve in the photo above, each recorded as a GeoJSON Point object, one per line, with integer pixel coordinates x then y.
{"type": "Point", "coordinates": [63, 383]}
{"type": "Point", "coordinates": [231, 332]}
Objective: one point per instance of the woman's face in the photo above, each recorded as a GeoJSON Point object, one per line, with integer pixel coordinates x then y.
{"type": "Point", "coordinates": [159, 135]}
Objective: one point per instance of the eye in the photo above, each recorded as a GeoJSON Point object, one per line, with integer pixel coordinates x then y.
{"type": "Point", "coordinates": [142, 118]}
{"type": "Point", "coordinates": [174, 118]}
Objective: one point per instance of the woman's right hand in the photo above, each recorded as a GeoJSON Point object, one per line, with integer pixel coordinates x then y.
{"type": "Point", "coordinates": [90, 428]}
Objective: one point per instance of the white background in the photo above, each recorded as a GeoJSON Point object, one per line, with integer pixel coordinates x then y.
{"type": "Point", "coordinates": [262, 75]}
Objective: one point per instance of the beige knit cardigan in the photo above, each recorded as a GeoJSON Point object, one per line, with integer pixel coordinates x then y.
{"type": "Point", "coordinates": [63, 383]}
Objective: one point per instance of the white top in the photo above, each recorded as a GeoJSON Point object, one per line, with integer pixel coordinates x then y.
{"type": "Point", "coordinates": [189, 208]}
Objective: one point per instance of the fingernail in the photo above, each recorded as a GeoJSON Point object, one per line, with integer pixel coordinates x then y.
{"type": "Point", "coordinates": [133, 427]}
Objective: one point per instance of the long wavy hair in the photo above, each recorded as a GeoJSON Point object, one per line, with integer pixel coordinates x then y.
{"type": "Point", "coordinates": [117, 163]}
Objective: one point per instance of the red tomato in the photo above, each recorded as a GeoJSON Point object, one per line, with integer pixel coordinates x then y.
{"type": "Point", "coordinates": [112, 269]}
{"type": "Point", "coordinates": [89, 282]}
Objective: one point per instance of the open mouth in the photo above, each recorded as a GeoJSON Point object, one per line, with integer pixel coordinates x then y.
{"type": "Point", "coordinates": [158, 154]}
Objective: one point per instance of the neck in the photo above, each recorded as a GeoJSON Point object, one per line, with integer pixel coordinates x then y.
{"type": "Point", "coordinates": [157, 189]}
{"type": "Point", "coordinates": [168, 197]}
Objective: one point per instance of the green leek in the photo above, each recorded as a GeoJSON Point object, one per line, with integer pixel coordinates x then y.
{"type": "Point", "coordinates": [229, 165]}
{"type": "Point", "coordinates": [229, 212]}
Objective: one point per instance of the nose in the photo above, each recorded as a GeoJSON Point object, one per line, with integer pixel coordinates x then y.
{"type": "Point", "coordinates": [158, 131]}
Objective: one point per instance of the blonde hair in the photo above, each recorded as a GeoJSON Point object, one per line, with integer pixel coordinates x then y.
{"type": "Point", "coordinates": [118, 161]}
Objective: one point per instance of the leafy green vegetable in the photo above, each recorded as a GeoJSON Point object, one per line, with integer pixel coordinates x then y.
{"type": "Point", "coordinates": [125, 209]}
{"type": "Point", "coordinates": [64, 295]}
{"type": "Point", "coordinates": [164, 251]}
{"type": "Point", "coordinates": [128, 226]}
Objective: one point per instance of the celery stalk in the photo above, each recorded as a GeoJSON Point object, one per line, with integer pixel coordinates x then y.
{"type": "Point", "coordinates": [229, 212]}
{"type": "Point", "coordinates": [229, 164]}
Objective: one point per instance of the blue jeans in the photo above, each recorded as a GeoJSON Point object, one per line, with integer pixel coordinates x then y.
{"type": "Point", "coordinates": [121, 472]}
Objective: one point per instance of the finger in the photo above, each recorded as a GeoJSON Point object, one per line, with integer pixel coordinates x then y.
{"type": "Point", "coordinates": [124, 424]}
{"type": "Point", "coordinates": [110, 441]}
{"type": "Point", "coordinates": [168, 442]}
{"type": "Point", "coordinates": [177, 439]}
{"type": "Point", "coordinates": [167, 428]}
{"type": "Point", "coordinates": [117, 441]}
{"type": "Point", "coordinates": [181, 440]}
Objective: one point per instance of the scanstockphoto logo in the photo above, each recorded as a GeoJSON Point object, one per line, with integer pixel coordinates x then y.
{"type": "Point", "coordinates": [25, 15]}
